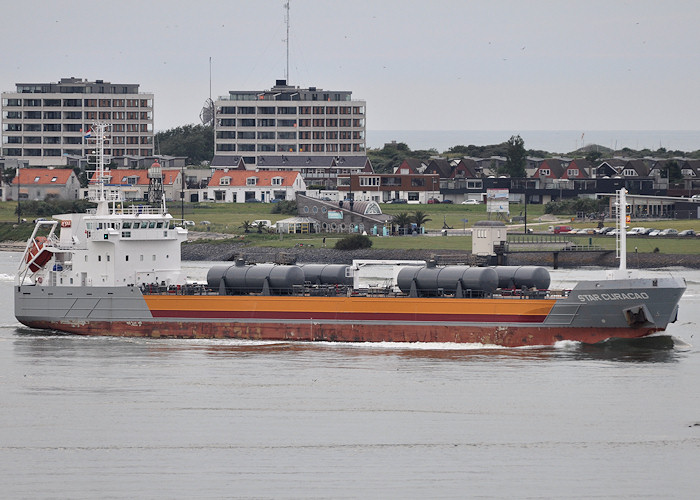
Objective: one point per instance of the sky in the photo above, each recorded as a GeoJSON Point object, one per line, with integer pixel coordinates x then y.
{"type": "Point", "coordinates": [419, 65]}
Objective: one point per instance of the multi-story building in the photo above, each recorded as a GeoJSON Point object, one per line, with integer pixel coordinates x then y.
{"type": "Point", "coordinates": [291, 121]}
{"type": "Point", "coordinates": [45, 123]}
{"type": "Point", "coordinates": [383, 188]}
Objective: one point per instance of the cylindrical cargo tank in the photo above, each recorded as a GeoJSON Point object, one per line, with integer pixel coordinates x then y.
{"type": "Point", "coordinates": [523, 276]}
{"type": "Point", "coordinates": [326, 274]}
{"type": "Point", "coordinates": [251, 279]}
{"type": "Point", "coordinates": [430, 279]}
{"type": "Point", "coordinates": [215, 275]}
{"type": "Point", "coordinates": [479, 278]}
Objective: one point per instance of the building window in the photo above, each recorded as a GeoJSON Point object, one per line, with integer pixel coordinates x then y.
{"type": "Point", "coordinates": [225, 181]}
{"type": "Point", "coordinates": [412, 196]}
{"type": "Point", "coordinates": [369, 181]}
{"type": "Point", "coordinates": [251, 181]}
{"type": "Point", "coordinates": [277, 181]}
{"type": "Point", "coordinates": [572, 172]}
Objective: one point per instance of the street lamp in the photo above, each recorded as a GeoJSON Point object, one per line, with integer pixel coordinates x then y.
{"type": "Point", "coordinates": [19, 185]}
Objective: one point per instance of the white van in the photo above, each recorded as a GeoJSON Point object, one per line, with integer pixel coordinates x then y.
{"type": "Point", "coordinates": [263, 223]}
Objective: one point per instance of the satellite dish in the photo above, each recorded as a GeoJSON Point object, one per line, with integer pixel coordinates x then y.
{"type": "Point", "coordinates": [207, 113]}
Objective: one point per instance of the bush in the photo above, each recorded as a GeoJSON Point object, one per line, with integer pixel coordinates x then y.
{"type": "Point", "coordinates": [573, 206]}
{"type": "Point", "coordinates": [51, 207]}
{"type": "Point", "coordinates": [354, 242]}
{"type": "Point", "coordinates": [285, 207]}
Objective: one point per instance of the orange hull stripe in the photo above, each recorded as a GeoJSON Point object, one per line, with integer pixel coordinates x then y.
{"type": "Point", "coordinates": [201, 305]}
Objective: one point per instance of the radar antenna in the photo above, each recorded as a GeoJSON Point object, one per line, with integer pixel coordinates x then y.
{"type": "Point", "coordinates": [207, 113]}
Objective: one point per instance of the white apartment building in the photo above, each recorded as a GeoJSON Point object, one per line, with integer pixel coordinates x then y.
{"type": "Point", "coordinates": [45, 123]}
{"type": "Point", "coordinates": [291, 121]}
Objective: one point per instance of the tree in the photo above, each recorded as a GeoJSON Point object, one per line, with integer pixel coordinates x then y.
{"type": "Point", "coordinates": [515, 157]}
{"type": "Point", "coordinates": [420, 218]}
{"type": "Point", "coordinates": [674, 171]}
{"type": "Point", "coordinates": [8, 175]}
{"type": "Point", "coordinates": [193, 141]}
{"type": "Point", "coordinates": [401, 220]}
{"type": "Point", "coordinates": [246, 225]}
{"type": "Point", "coordinates": [593, 156]}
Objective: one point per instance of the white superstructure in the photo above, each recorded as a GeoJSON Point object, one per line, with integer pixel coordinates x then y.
{"type": "Point", "coordinates": [113, 245]}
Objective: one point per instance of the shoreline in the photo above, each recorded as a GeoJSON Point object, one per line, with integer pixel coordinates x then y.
{"type": "Point", "coordinates": [193, 251]}
{"type": "Point", "coordinates": [567, 260]}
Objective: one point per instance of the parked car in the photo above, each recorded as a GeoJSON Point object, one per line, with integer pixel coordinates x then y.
{"type": "Point", "coordinates": [397, 200]}
{"type": "Point", "coordinates": [433, 200]}
{"type": "Point", "coordinates": [325, 198]}
{"type": "Point", "coordinates": [205, 223]}
{"type": "Point", "coordinates": [252, 200]}
{"type": "Point", "coordinates": [637, 230]}
{"type": "Point", "coordinates": [471, 202]}
{"type": "Point", "coordinates": [695, 197]}
{"type": "Point", "coordinates": [655, 232]}
{"type": "Point", "coordinates": [669, 232]}
{"type": "Point", "coordinates": [604, 230]}
{"type": "Point", "coordinates": [562, 229]}
{"type": "Point", "coordinates": [687, 232]}
{"type": "Point", "coordinates": [449, 202]}
{"type": "Point", "coordinates": [188, 223]}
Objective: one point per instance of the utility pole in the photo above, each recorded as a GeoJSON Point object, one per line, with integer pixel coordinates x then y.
{"type": "Point", "coordinates": [525, 195]}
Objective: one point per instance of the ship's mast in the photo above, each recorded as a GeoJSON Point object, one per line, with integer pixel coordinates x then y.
{"type": "Point", "coordinates": [622, 233]}
{"type": "Point", "coordinates": [96, 135]}
{"type": "Point", "coordinates": [620, 205]}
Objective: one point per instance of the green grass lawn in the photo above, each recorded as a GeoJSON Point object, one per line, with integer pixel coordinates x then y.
{"type": "Point", "coordinates": [229, 217]}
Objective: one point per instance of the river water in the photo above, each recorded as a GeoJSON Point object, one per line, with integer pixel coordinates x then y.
{"type": "Point", "coordinates": [124, 418]}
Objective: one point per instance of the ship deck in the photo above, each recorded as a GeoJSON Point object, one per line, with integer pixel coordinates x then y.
{"type": "Point", "coordinates": [309, 290]}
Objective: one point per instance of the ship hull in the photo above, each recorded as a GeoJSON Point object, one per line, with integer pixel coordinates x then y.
{"type": "Point", "coordinates": [592, 311]}
{"type": "Point", "coordinates": [506, 336]}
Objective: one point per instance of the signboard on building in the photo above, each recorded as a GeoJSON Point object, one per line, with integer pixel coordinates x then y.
{"type": "Point", "coordinates": [497, 200]}
{"type": "Point", "coordinates": [335, 214]}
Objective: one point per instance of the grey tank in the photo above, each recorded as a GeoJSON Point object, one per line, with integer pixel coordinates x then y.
{"type": "Point", "coordinates": [430, 279]}
{"type": "Point", "coordinates": [251, 279]}
{"type": "Point", "coordinates": [326, 274]}
{"type": "Point", "coordinates": [523, 276]}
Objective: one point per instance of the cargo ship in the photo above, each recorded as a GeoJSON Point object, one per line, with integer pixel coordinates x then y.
{"type": "Point", "coordinates": [116, 270]}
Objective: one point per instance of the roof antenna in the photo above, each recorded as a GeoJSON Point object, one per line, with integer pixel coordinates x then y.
{"type": "Point", "coordinates": [286, 20]}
